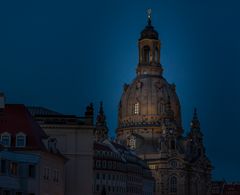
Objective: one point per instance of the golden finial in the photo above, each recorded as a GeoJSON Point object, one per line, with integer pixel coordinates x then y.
{"type": "Point", "coordinates": [149, 15]}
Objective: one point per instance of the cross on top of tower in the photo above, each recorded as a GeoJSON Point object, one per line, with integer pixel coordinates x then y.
{"type": "Point", "coordinates": [149, 16]}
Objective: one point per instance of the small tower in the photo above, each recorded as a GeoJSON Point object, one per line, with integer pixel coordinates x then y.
{"type": "Point", "coordinates": [195, 137]}
{"type": "Point", "coordinates": [101, 131]}
{"type": "Point", "coordinates": [195, 132]}
{"type": "Point", "coordinates": [149, 50]}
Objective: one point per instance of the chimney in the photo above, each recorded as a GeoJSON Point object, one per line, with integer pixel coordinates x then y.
{"type": "Point", "coordinates": [2, 101]}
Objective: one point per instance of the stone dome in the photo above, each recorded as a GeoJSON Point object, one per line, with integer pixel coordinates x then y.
{"type": "Point", "coordinates": [144, 102]}
{"type": "Point", "coordinates": [149, 103]}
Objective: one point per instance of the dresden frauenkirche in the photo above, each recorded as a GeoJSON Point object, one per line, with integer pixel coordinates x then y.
{"type": "Point", "coordinates": [149, 123]}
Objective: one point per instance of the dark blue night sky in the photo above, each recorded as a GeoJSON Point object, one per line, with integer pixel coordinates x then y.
{"type": "Point", "coordinates": [65, 54]}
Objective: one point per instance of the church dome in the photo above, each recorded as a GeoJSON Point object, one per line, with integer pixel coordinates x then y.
{"type": "Point", "coordinates": [145, 102]}
{"type": "Point", "coordinates": [149, 101]}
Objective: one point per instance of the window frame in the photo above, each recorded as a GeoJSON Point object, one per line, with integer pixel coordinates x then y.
{"type": "Point", "coordinates": [146, 54]}
{"type": "Point", "coordinates": [173, 184]}
{"type": "Point", "coordinates": [136, 108]}
{"type": "Point", "coordinates": [9, 139]}
{"type": "Point", "coordinates": [20, 134]}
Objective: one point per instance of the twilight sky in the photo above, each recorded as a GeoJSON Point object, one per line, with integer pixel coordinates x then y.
{"type": "Point", "coordinates": [65, 54]}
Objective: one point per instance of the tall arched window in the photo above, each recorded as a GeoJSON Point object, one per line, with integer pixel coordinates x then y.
{"type": "Point", "coordinates": [161, 108]}
{"type": "Point", "coordinates": [156, 55]}
{"type": "Point", "coordinates": [173, 184]}
{"type": "Point", "coordinates": [146, 54]}
{"type": "Point", "coordinates": [136, 108]}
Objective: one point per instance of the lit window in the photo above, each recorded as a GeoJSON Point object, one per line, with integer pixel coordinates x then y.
{"type": "Point", "coordinates": [6, 139]}
{"type": "Point", "coordinates": [136, 108]}
{"type": "Point", "coordinates": [13, 168]}
{"type": "Point", "coordinates": [20, 140]}
{"type": "Point", "coordinates": [173, 184]}
{"type": "Point", "coordinates": [152, 167]}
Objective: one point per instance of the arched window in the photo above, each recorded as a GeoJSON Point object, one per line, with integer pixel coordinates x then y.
{"type": "Point", "coordinates": [156, 55]}
{"type": "Point", "coordinates": [161, 108]}
{"type": "Point", "coordinates": [20, 140]}
{"type": "Point", "coordinates": [6, 139]}
{"type": "Point", "coordinates": [136, 108]}
{"type": "Point", "coordinates": [146, 54]}
{"type": "Point", "coordinates": [173, 184]}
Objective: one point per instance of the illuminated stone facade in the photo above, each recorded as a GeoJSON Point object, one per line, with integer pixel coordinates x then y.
{"type": "Point", "coordinates": [150, 124]}
{"type": "Point", "coordinates": [117, 169]}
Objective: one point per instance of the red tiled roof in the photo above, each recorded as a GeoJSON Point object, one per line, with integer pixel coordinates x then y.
{"type": "Point", "coordinates": [16, 118]}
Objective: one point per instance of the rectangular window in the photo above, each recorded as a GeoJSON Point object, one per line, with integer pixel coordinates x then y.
{"type": "Point", "coordinates": [46, 173]}
{"type": "Point", "coordinates": [13, 168]}
{"type": "Point", "coordinates": [20, 142]}
{"type": "Point", "coordinates": [56, 176]}
{"type": "Point", "coordinates": [31, 171]}
{"type": "Point", "coordinates": [3, 166]}
{"type": "Point", "coordinates": [6, 192]}
{"type": "Point", "coordinates": [5, 140]}
{"type": "Point", "coordinates": [136, 108]}
{"type": "Point", "coordinates": [97, 188]}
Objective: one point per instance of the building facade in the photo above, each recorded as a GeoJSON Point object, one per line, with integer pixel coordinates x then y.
{"type": "Point", "coordinates": [224, 188]}
{"type": "Point", "coordinates": [74, 139]}
{"type": "Point", "coordinates": [29, 162]}
{"type": "Point", "coordinates": [117, 169]}
{"type": "Point", "coordinates": [149, 122]}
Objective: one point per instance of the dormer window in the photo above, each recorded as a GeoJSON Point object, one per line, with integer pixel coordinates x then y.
{"type": "Point", "coordinates": [20, 140]}
{"type": "Point", "coordinates": [6, 139]}
{"type": "Point", "coordinates": [136, 108]}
